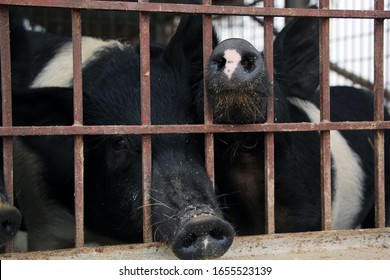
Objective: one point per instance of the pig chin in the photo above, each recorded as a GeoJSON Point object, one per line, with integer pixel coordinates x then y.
{"type": "Point", "coordinates": [239, 107]}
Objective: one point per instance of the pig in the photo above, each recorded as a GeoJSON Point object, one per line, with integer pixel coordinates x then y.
{"type": "Point", "coordinates": [238, 89]}
{"type": "Point", "coordinates": [185, 209]}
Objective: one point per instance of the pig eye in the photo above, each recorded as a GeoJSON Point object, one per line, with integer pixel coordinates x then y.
{"type": "Point", "coordinates": [119, 143]}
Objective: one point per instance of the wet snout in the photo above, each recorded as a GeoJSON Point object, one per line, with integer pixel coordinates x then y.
{"type": "Point", "coordinates": [202, 236]}
{"type": "Point", "coordinates": [236, 63]}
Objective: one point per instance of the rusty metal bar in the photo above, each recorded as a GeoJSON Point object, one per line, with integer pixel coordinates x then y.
{"type": "Point", "coordinates": [78, 121]}
{"type": "Point", "coordinates": [190, 128]}
{"type": "Point", "coordinates": [269, 142]}
{"type": "Point", "coordinates": [144, 23]}
{"type": "Point", "coordinates": [5, 52]}
{"type": "Point", "coordinates": [326, 195]}
{"type": "Point", "coordinates": [5, 67]}
{"type": "Point", "coordinates": [200, 9]}
{"type": "Point", "coordinates": [379, 150]}
{"type": "Point", "coordinates": [208, 114]}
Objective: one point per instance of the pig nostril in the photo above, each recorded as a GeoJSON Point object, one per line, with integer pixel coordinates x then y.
{"type": "Point", "coordinates": [220, 62]}
{"type": "Point", "coordinates": [190, 240]}
{"type": "Point", "coordinates": [249, 62]}
{"type": "Point", "coordinates": [6, 225]}
{"type": "Point", "coordinates": [216, 233]}
{"type": "Point", "coordinates": [9, 223]}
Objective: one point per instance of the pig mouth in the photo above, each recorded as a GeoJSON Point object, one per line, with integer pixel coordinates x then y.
{"type": "Point", "coordinates": [202, 235]}
{"type": "Point", "coordinates": [239, 107]}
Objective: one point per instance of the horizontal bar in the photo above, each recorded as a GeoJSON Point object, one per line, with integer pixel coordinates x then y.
{"type": "Point", "coordinates": [189, 128]}
{"type": "Point", "coordinates": [199, 9]}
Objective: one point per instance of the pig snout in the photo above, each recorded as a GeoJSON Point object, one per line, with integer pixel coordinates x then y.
{"type": "Point", "coordinates": [237, 83]}
{"type": "Point", "coordinates": [204, 236]}
{"type": "Point", "coordinates": [10, 219]}
{"type": "Point", "coordinates": [236, 62]}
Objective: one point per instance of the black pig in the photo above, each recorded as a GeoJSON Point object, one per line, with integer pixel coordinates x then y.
{"type": "Point", "coordinates": [238, 88]}
{"type": "Point", "coordinates": [185, 211]}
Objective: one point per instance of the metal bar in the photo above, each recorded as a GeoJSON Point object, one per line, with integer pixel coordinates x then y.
{"type": "Point", "coordinates": [78, 122]}
{"type": "Point", "coordinates": [5, 67]}
{"type": "Point", "coordinates": [208, 114]}
{"type": "Point", "coordinates": [77, 68]}
{"type": "Point", "coordinates": [200, 9]}
{"type": "Point", "coordinates": [190, 128]}
{"type": "Point", "coordinates": [379, 150]}
{"type": "Point", "coordinates": [326, 195]}
{"type": "Point", "coordinates": [5, 51]}
{"type": "Point", "coordinates": [144, 23]}
{"type": "Point", "coordinates": [269, 143]}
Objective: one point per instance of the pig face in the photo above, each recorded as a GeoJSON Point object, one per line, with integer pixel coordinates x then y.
{"type": "Point", "coordinates": [237, 82]}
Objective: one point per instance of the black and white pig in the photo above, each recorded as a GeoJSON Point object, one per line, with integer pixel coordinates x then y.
{"type": "Point", "coordinates": [238, 89]}
{"type": "Point", "coordinates": [185, 210]}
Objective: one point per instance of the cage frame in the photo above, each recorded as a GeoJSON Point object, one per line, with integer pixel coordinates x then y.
{"type": "Point", "coordinates": [376, 239]}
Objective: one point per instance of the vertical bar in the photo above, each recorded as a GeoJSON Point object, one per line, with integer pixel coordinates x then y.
{"type": "Point", "coordinates": [144, 25]}
{"type": "Point", "coordinates": [326, 194]}
{"type": "Point", "coordinates": [269, 155]}
{"type": "Point", "coordinates": [78, 121]}
{"type": "Point", "coordinates": [379, 149]}
{"type": "Point", "coordinates": [5, 51]}
{"type": "Point", "coordinates": [208, 114]}
{"type": "Point", "coordinates": [5, 66]}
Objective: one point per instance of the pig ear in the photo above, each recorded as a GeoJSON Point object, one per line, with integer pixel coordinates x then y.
{"type": "Point", "coordinates": [43, 106]}
{"type": "Point", "coordinates": [296, 56]}
{"type": "Point", "coordinates": [187, 43]}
